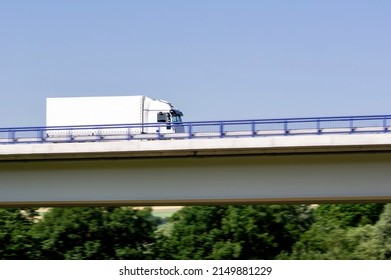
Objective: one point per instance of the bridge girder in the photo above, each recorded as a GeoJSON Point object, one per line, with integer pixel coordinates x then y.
{"type": "Point", "coordinates": [293, 178]}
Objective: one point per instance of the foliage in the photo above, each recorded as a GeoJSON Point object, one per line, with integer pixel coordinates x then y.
{"type": "Point", "coordinates": [15, 241]}
{"type": "Point", "coordinates": [234, 232]}
{"type": "Point", "coordinates": [349, 215]}
{"type": "Point", "coordinates": [95, 233]}
{"type": "Point", "coordinates": [340, 231]}
{"type": "Point", "coordinates": [375, 243]}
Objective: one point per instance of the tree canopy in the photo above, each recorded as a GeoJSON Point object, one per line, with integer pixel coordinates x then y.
{"type": "Point", "coordinates": [338, 232]}
{"type": "Point", "coordinates": [235, 232]}
{"type": "Point", "coordinates": [328, 231]}
{"type": "Point", "coordinates": [15, 240]}
{"type": "Point", "coordinates": [95, 233]}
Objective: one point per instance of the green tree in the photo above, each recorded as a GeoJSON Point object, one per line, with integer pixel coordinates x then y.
{"type": "Point", "coordinates": [192, 233]}
{"type": "Point", "coordinates": [95, 233]}
{"type": "Point", "coordinates": [15, 241]}
{"type": "Point", "coordinates": [349, 215]}
{"type": "Point", "coordinates": [375, 241]}
{"type": "Point", "coordinates": [339, 232]}
{"type": "Point", "coordinates": [130, 232]}
{"type": "Point", "coordinates": [234, 232]}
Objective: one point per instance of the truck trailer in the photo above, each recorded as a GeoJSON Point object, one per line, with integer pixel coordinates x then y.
{"type": "Point", "coordinates": [138, 115]}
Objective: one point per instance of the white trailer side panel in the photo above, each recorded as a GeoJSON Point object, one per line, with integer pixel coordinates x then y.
{"type": "Point", "coordinates": [94, 110]}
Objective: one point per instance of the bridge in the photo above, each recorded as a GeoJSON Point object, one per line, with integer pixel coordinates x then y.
{"type": "Point", "coordinates": [301, 160]}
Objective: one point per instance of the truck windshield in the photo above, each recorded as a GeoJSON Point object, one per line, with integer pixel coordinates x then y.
{"type": "Point", "coordinates": [176, 119]}
{"type": "Point", "coordinates": [176, 116]}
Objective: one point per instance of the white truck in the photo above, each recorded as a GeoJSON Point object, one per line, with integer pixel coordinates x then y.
{"type": "Point", "coordinates": [128, 116]}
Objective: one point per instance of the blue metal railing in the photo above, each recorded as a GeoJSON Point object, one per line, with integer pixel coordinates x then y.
{"type": "Point", "coordinates": [204, 129]}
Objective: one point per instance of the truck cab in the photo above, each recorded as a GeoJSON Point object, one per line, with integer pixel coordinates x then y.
{"type": "Point", "coordinates": [164, 113]}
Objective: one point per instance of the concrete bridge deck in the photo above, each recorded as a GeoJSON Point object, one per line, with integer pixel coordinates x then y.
{"type": "Point", "coordinates": [333, 143]}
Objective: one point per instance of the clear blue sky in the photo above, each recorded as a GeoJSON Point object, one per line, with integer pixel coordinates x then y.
{"type": "Point", "coordinates": [212, 59]}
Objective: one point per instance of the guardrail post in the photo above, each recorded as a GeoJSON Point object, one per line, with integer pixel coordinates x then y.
{"type": "Point", "coordinates": [351, 125]}
{"type": "Point", "coordinates": [221, 130]}
{"type": "Point", "coordinates": [159, 134]}
{"type": "Point", "coordinates": [385, 124]}
{"type": "Point", "coordinates": [40, 135]}
{"type": "Point", "coordinates": [11, 135]}
{"type": "Point", "coordinates": [99, 134]}
{"type": "Point", "coordinates": [286, 131]}
{"type": "Point", "coordinates": [318, 129]}
{"type": "Point", "coordinates": [253, 132]}
{"type": "Point", "coordinates": [190, 131]}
